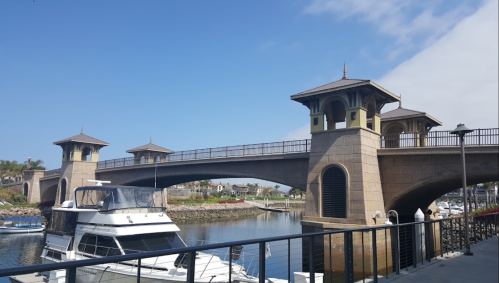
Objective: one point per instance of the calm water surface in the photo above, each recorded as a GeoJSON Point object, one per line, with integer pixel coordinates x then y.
{"type": "Point", "coordinates": [22, 250]}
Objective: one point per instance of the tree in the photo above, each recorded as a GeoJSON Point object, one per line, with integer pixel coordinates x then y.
{"type": "Point", "coordinates": [267, 191]}
{"type": "Point", "coordinates": [34, 165]}
{"type": "Point", "coordinates": [277, 186]}
{"type": "Point", "coordinates": [294, 192]}
{"type": "Point", "coordinates": [204, 184]}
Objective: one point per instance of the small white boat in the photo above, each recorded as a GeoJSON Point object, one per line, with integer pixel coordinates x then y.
{"type": "Point", "coordinates": [16, 225]}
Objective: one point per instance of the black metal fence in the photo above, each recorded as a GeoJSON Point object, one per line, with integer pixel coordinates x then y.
{"type": "Point", "coordinates": [285, 147]}
{"type": "Point", "coordinates": [440, 138]}
{"type": "Point", "coordinates": [332, 256]}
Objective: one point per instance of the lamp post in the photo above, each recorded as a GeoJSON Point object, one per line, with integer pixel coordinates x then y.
{"type": "Point", "coordinates": [388, 222]}
{"type": "Point", "coordinates": [461, 130]}
{"type": "Point", "coordinates": [29, 162]}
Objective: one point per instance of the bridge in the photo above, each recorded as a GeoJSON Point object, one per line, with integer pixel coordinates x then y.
{"type": "Point", "coordinates": [410, 175]}
{"type": "Point", "coordinates": [379, 161]}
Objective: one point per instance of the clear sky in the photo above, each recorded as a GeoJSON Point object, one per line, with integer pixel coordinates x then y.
{"type": "Point", "coordinates": [199, 74]}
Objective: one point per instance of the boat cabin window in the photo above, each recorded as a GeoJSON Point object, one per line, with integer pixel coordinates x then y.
{"type": "Point", "coordinates": [150, 242]}
{"type": "Point", "coordinates": [98, 245]}
{"type": "Point", "coordinates": [111, 198]}
{"type": "Point", "coordinates": [54, 254]}
{"type": "Point", "coordinates": [62, 223]}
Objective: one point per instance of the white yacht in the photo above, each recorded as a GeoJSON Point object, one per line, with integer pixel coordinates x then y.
{"type": "Point", "coordinates": [104, 221]}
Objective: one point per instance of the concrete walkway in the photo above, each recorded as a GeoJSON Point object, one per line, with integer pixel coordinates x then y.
{"type": "Point", "coordinates": [483, 266]}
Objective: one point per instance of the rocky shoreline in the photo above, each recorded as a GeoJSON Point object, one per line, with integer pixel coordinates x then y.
{"type": "Point", "coordinates": [43, 212]}
{"type": "Point", "coordinates": [204, 211]}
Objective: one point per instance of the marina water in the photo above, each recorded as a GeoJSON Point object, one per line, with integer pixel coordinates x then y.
{"type": "Point", "coordinates": [22, 250]}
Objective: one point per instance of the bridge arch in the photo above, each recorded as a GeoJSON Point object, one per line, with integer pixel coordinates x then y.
{"type": "Point", "coordinates": [290, 170]}
{"type": "Point", "coordinates": [412, 182]}
{"type": "Point", "coordinates": [49, 193]}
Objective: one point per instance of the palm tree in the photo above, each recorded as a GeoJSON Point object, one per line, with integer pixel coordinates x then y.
{"type": "Point", "coordinates": [33, 165]}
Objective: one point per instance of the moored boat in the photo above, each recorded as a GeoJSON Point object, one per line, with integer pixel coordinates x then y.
{"type": "Point", "coordinates": [104, 221]}
{"type": "Point", "coordinates": [16, 225]}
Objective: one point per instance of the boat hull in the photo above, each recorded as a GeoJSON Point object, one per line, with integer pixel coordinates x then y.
{"type": "Point", "coordinates": [16, 230]}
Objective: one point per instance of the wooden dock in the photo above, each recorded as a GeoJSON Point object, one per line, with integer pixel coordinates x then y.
{"type": "Point", "coordinates": [275, 209]}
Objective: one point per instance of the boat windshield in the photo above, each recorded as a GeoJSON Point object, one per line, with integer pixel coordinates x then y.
{"type": "Point", "coordinates": [150, 242]}
{"type": "Point", "coordinates": [111, 198]}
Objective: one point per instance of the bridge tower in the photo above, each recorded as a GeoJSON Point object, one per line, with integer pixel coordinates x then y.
{"type": "Point", "coordinates": [80, 155]}
{"type": "Point", "coordinates": [343, 185]}
{"type": "Point", "coordinates": [149, 153]}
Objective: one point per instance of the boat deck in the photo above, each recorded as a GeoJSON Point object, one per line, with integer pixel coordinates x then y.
{"type": "Point", "coordinates": [25, 278]}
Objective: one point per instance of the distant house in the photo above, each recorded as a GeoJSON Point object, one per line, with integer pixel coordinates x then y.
{"type": "Point", "coordinates": [219, 188]}
{"type": "Point", "coordinates": [240, 189]}
{"type": "Point", "coordinates": [256, 191]}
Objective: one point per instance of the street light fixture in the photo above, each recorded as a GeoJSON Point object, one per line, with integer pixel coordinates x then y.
{"type": "Point", "coordinates": [388, 222]}
{"type": "Point", "coordinates": [461, 130]}
{"type": "Point", "coordinates": [29, 162]}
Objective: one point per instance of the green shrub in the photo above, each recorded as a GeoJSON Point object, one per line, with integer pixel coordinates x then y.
{"type": "Point", "coordinates": [19, 199]}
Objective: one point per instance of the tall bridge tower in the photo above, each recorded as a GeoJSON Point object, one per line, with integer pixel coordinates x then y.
{"type": "Point", "coordinates": [80, 155]}
{"type": "Point", "coordinates": [343, 185]}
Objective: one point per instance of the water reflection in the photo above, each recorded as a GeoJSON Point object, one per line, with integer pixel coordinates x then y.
{"type": "Point", "coordinates": [268, 224]}
{"type": "Point", "coordinates": [20, 249]}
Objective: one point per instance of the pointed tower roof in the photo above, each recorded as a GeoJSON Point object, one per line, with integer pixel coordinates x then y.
{"type": "Point", "coordinates": [83, 139]}
{"type": "Point", "coordinates": [345, 84]}
{"type": "Point", "coordinates": [402, 113]}
{"type": "Point", "coordinates": [150, 147]}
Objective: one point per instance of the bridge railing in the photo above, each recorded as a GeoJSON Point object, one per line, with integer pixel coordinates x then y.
{"type": "Point", "coordinates": [440, 138]}
{"type": "Point", "coordinates": [52, 172]}
{"type": "Point", "coordinates": [331, 256]}
{"type": "Point", "coordinates": [272, 148]}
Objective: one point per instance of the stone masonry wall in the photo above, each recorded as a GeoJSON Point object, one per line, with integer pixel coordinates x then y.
{"type": "Point", "coordinates": [354, 150]}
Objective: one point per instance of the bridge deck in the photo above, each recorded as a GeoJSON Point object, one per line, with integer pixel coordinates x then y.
{"type": "Point", "coordinates": [455, 267]}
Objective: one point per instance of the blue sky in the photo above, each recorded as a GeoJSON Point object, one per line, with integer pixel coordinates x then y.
{"type": "Point", "coordinates": [199, 74]}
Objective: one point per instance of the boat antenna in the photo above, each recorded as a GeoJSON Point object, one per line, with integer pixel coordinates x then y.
{"type": "Point", "coordinates": [155, 173]}
{"type": "Point", "coordinates": [99, 183]}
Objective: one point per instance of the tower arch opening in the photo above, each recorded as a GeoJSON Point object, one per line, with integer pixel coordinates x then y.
{"type": "Point", "coordinates": [63, 191]}
{"type": "Point", "coordinates": [335, 114]}
{"type": "Point", "coordinates": [371, 111]}
{"type": "Point", "coordinates": [392, 135]}
{"type": "Point", "coordinates": [334, 192]}
{"type": "Point", "coordinates": [26, 189]}
{"type": "Point", "coordinates": [86, 154]}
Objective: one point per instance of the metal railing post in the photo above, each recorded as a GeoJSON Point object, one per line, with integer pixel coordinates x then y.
{"type": "Point", "coordinates": [331, 257]}
{"type": "Point", "coordinates": [460, 236]}
{"type": "Point", "coordinates": [375, 256]}
{"type": "Point", "coordinates": [71, 275]}
{"type": "Point", "coordinates": [230, 263]}
{"type": "Point", "coordinates": [414, 248]}
{"type": "Point", "coordinates": [397, 252]}
{"type": "Point", "coordinates": [261, 262]}
{"type": "Point", "coordinates": [311, 255]}
{"type": "Point", "coordinates": [289, 260]}
{"type": "Point", "coordinates": [348, 242]}
{"type": "Point", "coordinates": [191, 267]}
{"type": "Point", "coordinates": [139, 264]}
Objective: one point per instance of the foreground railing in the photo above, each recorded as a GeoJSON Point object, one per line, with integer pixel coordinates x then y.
{"type": "Point", "coordinates": [333, 256]}
{"type": "Point", "coordinates": [273, 148]}
{"type": "Point", "coordinates": [440, 138]}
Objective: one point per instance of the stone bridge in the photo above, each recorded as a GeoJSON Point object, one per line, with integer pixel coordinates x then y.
{"type": "Point", "coordinates": [288, 169]}
{"type": "Point", "coordinates": [411, 177]}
